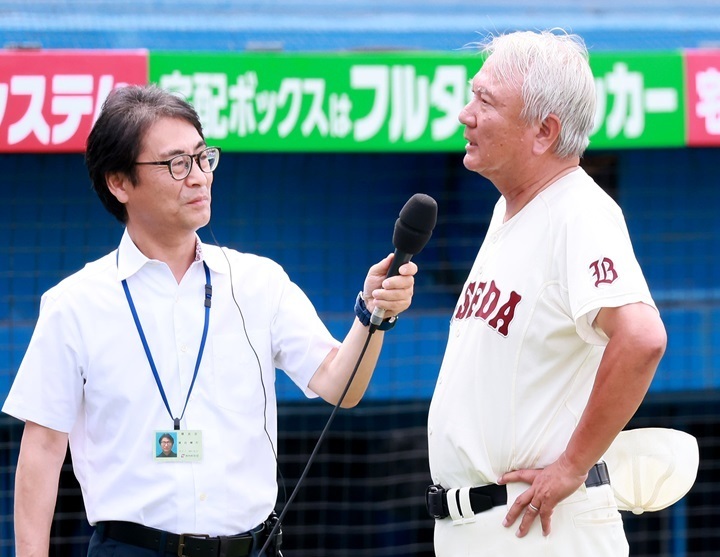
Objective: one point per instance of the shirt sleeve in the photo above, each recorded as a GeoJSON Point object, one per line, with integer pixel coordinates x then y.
{"type": "Point", "coordinates": [602, 270]}
{"type": "Point", "coordinates": [301, 342]}
{"type": "Point", "coordinates": [48, 387]}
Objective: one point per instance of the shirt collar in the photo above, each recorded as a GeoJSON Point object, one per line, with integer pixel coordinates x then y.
{"type": "Point", "coordinates": [131, 259]}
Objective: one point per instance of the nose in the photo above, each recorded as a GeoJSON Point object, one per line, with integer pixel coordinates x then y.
{"type": "Point", "coordinates": [466, 116]}
{"type": "Point", "coordinates": [197, 177]}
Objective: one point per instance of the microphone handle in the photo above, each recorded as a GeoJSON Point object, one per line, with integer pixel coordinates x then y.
{"type": "Point", "coordinates": [399, 260]}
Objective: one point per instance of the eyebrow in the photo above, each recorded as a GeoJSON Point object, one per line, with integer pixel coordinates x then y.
{"type": "Point", "coordinates": [175, 152]}
{"type": "Point", "coordinates": [480, 90]}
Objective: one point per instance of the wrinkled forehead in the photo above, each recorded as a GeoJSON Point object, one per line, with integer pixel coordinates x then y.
{"type": "Point", "coordinates": [487, 81]}
{"type": "Point", "coordinates": [494, 73]}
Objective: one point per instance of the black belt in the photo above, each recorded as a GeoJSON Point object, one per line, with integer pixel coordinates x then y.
{"type": "Point", "coordinates": [182, 545]}
{"type": "Point", "coordinates": [488, 496]}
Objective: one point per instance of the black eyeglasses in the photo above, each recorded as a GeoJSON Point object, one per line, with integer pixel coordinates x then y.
{"type": "Point", "coordinates": [180, 166]}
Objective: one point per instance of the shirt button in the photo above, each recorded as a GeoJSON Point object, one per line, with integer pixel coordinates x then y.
{"type": "Point", "coordinates": [183, 348]}
{"type": "Point", "coordinates": [203, 496]}
{"type": "Point", "coordinates": [429, 431]}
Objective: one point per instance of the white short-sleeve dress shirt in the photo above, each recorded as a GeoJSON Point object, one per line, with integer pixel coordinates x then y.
{"type": "Point", "coordinates": [86, 373]}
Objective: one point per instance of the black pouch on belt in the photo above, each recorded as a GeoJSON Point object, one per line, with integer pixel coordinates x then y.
{"type": "Point", "coordinates": [259, 538]}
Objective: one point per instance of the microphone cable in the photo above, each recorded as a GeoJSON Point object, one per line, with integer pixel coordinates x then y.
{"type": "Point", "coordinates": [257, 359]}
{"type": "Point", "coordinates": [412, 230]}
{"type": "Point", "coordinates": [321, 438]}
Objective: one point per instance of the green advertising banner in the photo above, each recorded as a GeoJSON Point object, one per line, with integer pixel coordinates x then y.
{"type": "Point", "coordinates": [323, 102]}
{"type": "Point", "coordinates": [405, 101]}
{"type": "Point", "coordinates": [640, 100]}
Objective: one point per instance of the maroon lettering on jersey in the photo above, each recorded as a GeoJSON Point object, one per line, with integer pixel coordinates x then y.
{"type": "Point", "coordinates": [504, 316]}
{"type": "Point", "coordinates": [604, 271]}
{"type": "Point", "coordinates": [470, 300]}
{"type": "Point", "coordinates": [465, 305]}
{"type": "Point", "coordinates": [473, 307]}
{"type": "Point", "coordinates": [476, 297]}
{"type": "Point", "coordinates": [489, 301]}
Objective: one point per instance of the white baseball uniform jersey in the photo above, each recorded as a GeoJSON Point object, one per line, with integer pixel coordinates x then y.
{"type": "Point", "coordinates": [522, 351]}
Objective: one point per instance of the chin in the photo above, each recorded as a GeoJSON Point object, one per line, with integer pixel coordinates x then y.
{"type": "Point", "coordinates": [204, 218]}
{"type": "Point", "coordinates": [469, 164]}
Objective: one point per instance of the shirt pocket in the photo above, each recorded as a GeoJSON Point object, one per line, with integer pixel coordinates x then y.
{"type": "Point", "coordinates": [237, 364]}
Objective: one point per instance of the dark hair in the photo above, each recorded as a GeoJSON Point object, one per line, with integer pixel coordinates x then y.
{"type": "Point", "coordinates": [116, 137]}
{"type": "Point", "coordinates": [166, 436]}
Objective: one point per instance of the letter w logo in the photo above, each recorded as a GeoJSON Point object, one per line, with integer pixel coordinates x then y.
{"type": "Point", "coordinates": [603, 271]}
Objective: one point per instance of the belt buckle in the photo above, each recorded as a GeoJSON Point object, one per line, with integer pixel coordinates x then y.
{"type": "Point", "coordinates": [181, 542]}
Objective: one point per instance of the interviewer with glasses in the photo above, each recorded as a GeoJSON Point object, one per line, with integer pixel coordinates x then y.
{"type": "Point", "coordinates": [167, 333]}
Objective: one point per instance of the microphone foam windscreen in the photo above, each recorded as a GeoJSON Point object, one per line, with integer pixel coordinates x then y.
{"type": "Point", "coordinates": [416, 223]}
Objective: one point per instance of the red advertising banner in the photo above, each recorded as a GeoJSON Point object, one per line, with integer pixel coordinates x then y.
{"type": "Point", "coordinates": [702, 76]}
{"type": "Point", "coordinates": [49, 100]}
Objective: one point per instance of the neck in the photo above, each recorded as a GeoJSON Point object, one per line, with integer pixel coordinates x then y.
{"type": "Point", "coordinates": [519, 192]}
{"type": "Point", "coordinates": [177, 252]}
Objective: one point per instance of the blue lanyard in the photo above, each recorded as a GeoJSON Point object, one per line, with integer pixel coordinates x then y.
{"type": "Point", "coordinates": [208, 298]}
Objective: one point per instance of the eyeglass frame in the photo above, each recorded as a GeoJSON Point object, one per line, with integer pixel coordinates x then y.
{"type": "Point", "coordinates": [194, 159]}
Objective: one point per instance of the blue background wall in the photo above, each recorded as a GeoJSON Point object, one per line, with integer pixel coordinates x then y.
{"type": "Point", "coordinates": [326, 218]}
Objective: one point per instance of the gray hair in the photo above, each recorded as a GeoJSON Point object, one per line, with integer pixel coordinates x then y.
{"type": "Point", "coordinates": [556, 79]}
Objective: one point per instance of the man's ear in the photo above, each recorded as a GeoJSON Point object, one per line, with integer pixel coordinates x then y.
{"type": "Point", "coordinates": [547, 134]}
{"type": "Point", "coordinates": [118, 184]}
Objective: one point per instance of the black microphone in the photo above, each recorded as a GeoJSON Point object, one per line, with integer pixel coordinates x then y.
{"type": "Point", "coordinates": [412, 231]}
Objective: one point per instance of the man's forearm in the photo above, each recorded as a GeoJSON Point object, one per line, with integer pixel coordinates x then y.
{"type": "Point", "coordinates": [624, 376]}
{"type": "Point", "coordinates": [333, 375]}
{"type": "Point", "coordinates": [42, 453]}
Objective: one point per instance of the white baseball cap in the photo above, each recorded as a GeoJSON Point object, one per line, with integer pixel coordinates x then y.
{"type": "Point", "coordinates": [651, 468]}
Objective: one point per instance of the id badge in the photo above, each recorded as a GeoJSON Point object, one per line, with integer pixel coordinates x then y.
{"type": "Point", "coordinates": [178, 445]}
